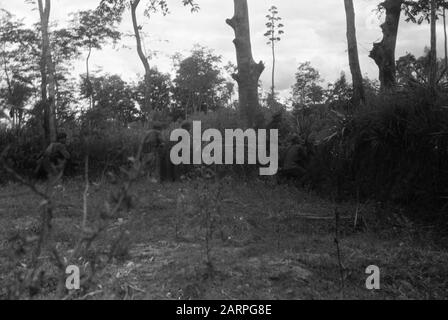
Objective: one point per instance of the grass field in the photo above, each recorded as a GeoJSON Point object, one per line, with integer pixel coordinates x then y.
{"type": "Point", "coordinates": [267, 242]}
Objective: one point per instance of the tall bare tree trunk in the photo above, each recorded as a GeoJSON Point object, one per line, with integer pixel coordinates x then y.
{"type": "Point", "coordinates": [273, 70]}
{"type": "Point", "coordinates": [353, 56]}
{"type": "Point", "coordinates": [141, 54]}
{"type": "Point", "coordinates": [383, 53]}
{"type": "Point", "coordinates": [48, 75]}
{"type": "Point", "coordinates": [446, 40]}
{"type": "Point", "coordinates": [44, 98]}
{"type": "Point", "coordinates": [89, 83]}
{"type": "Point", "coordinates": [13, 110]}
{"type": "Point", "coordinates": [433, 54]}
{"type": "Point", "coordinates": [44, 102]}
{"type": "Point", "coordinates": [249, 72]}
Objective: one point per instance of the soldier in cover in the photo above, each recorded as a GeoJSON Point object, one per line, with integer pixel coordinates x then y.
{"type": "Point", "coordinates": [52, 162]}
{"type": "Point", "coordinates": [152, 147]}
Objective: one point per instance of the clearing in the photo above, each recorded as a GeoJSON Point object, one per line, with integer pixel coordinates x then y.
{"type": "Point", "coordinates": [269, 242]}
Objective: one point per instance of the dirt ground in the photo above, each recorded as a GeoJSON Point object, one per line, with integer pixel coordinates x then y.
{"type": "Point", "coordinates": [268, 242]}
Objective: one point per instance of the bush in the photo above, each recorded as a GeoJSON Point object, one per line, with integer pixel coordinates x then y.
{"type": "Point", "coordinates": [393, 150]}
{"type": "Point", "coordinates": [24, 148]}
{"type": "Point", "coordinates": [108, 148]}
{"type": "Point", "coordinates": [221, 119]}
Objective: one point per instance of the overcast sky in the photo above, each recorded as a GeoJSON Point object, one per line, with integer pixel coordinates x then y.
{"type": "Point", "coordinates": [314, 31]}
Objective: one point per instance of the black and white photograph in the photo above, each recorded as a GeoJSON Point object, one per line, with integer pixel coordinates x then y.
{"type": "Point", "coordinates": [223, 155]}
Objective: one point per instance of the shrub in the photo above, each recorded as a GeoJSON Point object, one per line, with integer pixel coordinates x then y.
{"type": "Point", "coordinates": [394, 149]}
{"type": "Point", "coordinates": [24, 149]}
{"type": "Point", "coordinates": [108, 148]}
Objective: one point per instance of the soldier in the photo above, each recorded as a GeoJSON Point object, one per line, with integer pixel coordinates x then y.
{"type": "Point", "coordinates": [152, 148]}
{"type": "Point", "coordinates": [168, 171]}
{"type": "Point", "coordinates": [294, 159]}
{"type": "Point", "coordinates": [51, 163]}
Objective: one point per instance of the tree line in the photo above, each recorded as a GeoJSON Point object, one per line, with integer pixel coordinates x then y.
{"type": "Point", "coordinates": [41, 56]}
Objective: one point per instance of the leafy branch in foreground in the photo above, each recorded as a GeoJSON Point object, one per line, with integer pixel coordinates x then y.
{"type": "Point", "coordinates": [31, 273]}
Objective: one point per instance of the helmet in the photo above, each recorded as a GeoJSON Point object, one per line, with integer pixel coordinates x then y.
{"type": "Point", "coordinates": [186, 125]}
{"type": "Point", "coordinates": [61, 136]}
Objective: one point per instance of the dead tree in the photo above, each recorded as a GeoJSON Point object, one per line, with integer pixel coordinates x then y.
{"type": "Point", "coordinates": [249, 72]}
{"type": "Point", "coordinates": [48, 75]}
{"type": "Point", "coordinates": [353, 56]}
{"type": "Point", "coordinates": [141, 54]}
{"type": "Point", "coordinates": [383, 53]}
{"type": "Point", "coordinates": [433, 52]}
